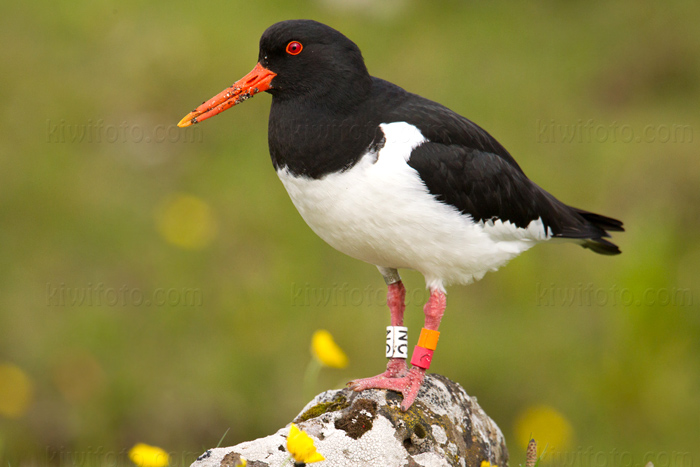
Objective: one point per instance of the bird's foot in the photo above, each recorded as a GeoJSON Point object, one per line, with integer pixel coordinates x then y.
{"type": "Point", "coordinates": [408, 383]}
{"type": "Point", "coordinates": [395, 368]}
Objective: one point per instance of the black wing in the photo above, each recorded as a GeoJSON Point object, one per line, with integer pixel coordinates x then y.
{"type": "Point", "coordinates": [462, 165]}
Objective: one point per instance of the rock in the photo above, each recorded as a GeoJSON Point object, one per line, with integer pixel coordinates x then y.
{"type": "Point", "coordinates": [444, 427]}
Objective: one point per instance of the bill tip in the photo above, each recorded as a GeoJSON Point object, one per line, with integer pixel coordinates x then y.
{"type": "Point", "coordinates": [185, 122]}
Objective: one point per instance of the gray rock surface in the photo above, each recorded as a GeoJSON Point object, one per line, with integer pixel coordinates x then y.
{"type": "Point", "coordinates": [444, 427]}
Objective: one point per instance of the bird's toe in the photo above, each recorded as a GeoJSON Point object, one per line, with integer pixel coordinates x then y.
{"type": "Point", "coordinates": [408, 384]}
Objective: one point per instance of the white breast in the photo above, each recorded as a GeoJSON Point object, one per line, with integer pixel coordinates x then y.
{"type": "Point", "coordinates": [380, 212]}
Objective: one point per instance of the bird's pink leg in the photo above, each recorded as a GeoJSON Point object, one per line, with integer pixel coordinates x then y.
{"type": "Point", "coordinates": [410, 381]}
{"type": "Point", "coordinates": [396, 299]}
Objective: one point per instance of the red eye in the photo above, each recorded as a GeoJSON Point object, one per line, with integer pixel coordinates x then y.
{"type": "Point", "coordinates": [294, 48]}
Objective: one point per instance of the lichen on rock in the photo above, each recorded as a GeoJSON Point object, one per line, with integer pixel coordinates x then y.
{"type": "Point", "coordinates": [444, 427]}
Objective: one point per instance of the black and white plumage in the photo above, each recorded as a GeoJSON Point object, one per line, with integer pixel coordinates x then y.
{"type": "Point", "coordinates": [394, 179]}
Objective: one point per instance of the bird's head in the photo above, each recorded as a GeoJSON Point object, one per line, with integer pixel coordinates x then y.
{"type": "Point", "coordinates": [298, 59]}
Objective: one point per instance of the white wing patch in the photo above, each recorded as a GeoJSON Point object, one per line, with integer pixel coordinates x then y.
{"type": "Point", "coordinates": [401, 138]}
{"type": "Point", "coordinates": [504, 231]}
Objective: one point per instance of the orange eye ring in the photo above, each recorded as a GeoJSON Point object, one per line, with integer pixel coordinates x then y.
{"type": "Point", "coordinates": [294, 48]}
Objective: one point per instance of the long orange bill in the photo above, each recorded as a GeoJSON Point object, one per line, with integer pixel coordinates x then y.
{"type": "Point", "coordinates": [256, 81]}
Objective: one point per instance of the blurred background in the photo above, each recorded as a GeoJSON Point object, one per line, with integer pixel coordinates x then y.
{"type": "Point", "coordinates": [158, 286]}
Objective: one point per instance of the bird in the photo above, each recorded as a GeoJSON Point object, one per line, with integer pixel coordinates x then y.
{"type": "Point", "coordinates": [396, 180]}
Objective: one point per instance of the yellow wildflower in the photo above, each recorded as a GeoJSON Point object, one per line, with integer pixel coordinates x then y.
{"type": "Point", "coordinates": [16, 390]}
{"type": "Point", "coordinates": [326, 351]}
{"type": "Point", "coordinates": [547, 425]}
{"type": "Point", "coordinates": [144, 455]}
{"type": "Point", "coordinates": [487, 464]}
{"type": "Point", "coordinates": [186, 221]}
{"type": "Point", "coordinates": [301, 446]}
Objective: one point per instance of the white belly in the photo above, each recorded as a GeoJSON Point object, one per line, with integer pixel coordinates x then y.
{"type": "Point", "coordinates": [380, 212]}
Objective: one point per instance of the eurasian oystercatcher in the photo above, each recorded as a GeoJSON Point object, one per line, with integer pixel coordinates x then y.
{"type": "Point", "coordinates": [396, 180]}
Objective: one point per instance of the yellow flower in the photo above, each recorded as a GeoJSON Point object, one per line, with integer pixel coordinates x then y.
{"type": "Point", "coordinates": [546, 424]}
{"type": "Point", "coordinates": [186, 221]}
{"type": "Point", "coordinates": [144, 455]}
{"type": "Point", "coordinates": [16, 391]}
{"type": "Point", "coordinates": [326, 351]}
{"type": "Point", "coordinates": [301, 446]}
{"type": "Point", "coordinates": [487, 464]}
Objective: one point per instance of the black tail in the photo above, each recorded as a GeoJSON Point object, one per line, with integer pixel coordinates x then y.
{"type": "Point", "coordinates": [603, 224]}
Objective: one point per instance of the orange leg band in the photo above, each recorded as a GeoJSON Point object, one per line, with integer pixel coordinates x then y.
{"type": "Point", "coordinates": [428, 338]}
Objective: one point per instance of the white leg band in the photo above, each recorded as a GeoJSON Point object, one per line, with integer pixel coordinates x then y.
{"type": "Point", "coordinates": [397, 342]}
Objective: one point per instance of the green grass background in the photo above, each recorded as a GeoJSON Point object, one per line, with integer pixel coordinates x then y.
{"type": "Point", "coordinates": [76, 214]}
